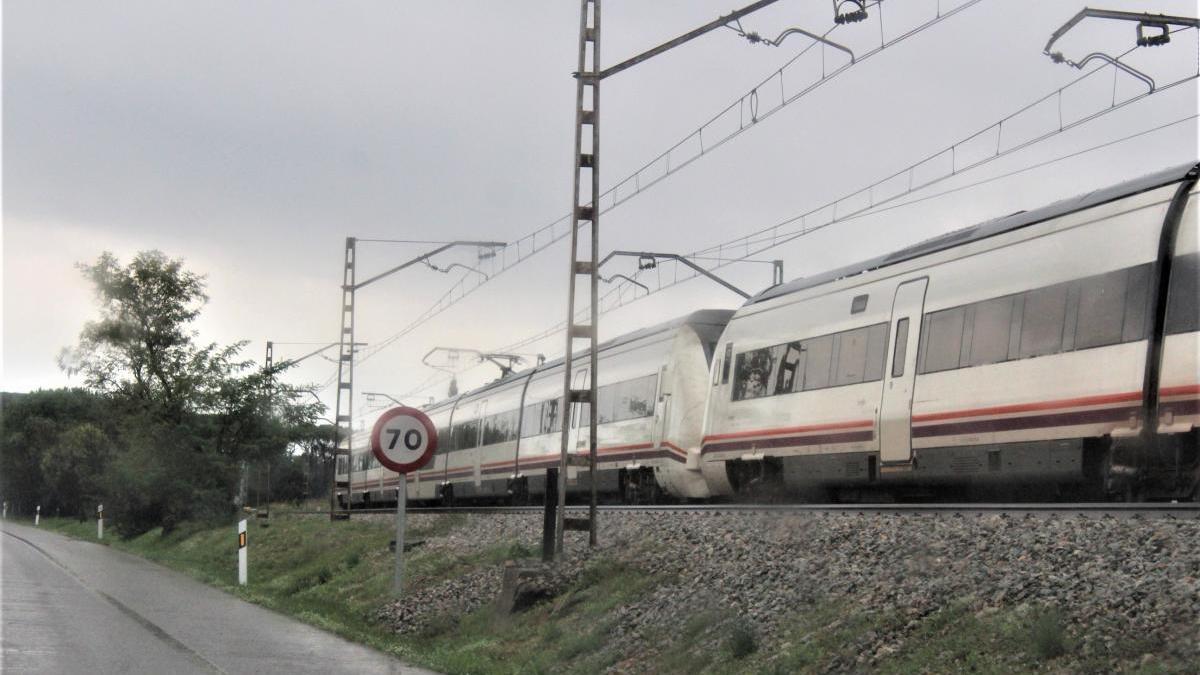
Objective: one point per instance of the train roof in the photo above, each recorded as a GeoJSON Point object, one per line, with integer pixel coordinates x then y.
{"type": "Point", "coordinates": [701, 317]}
{"type": "Point", "coordinates": [984, 230]}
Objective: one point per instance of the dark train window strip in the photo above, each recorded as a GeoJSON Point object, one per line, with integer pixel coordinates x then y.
{"type": "Point", "coordinates": [849, 357]}
{"type": "Point", "coordinates": [1097, 311]}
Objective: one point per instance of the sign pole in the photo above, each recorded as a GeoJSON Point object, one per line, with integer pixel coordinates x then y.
{"type": "Point", "coordinates": [401, 508]}
{"type": "Point", "coordinates": [99, 521]}
{"type": "Point", "coordinates": [403, 440]}
{"type": "Point", "coordinates": [242, 552]}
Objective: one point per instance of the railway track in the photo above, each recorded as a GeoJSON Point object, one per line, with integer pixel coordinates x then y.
{"type": "Point", "coordinates": [1089, 509]}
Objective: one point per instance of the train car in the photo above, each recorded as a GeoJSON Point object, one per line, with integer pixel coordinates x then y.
{"type": "Point", "coordinates": [1052, 347]}
{"type": "Point", "coordinates": [496, 442]}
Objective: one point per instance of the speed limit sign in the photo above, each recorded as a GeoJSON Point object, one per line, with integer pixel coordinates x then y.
{"type": "Point", "coordinates": [404, 439]}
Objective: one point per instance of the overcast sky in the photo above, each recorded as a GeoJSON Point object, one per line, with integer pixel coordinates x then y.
{"type": "Point", "coordinates": [251, 138]}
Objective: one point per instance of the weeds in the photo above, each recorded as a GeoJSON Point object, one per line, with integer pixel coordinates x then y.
{"type": "Point", "coordinates": [741, 641]}
{"type": "Point", "coordinates": [1047, 634]}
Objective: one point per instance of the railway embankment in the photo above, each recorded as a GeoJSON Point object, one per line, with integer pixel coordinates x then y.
{"type": "Point", "coordinates": [855, 592]}
{"type": "Point", "coordinates": [692, 592]}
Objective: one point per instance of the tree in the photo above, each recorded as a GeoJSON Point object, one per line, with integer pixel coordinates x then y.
{"type": "Point", "coordinates": [190, 414]}
{"type": "Point", "coordinates": [33, 426]}
{"type": "Point", "coordinates": [73, 467]}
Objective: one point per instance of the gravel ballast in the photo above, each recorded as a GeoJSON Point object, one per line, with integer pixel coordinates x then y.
{"type": "Point", "coordinates": [1126, 588]}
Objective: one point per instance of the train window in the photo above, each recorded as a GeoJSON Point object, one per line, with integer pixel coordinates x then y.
{"type": "Point", "coordinates": [1043, 320]}
{"type": "Point", "coordinates": [1101, 313]}
{"type": "Point", "coordinates": [551, 420]}
{"type": "Point", "coordinates": [1137, 299]}
{"type": "Point", "coordinates": [943, 339]}
{"type": "Point", "coordinates": [638, 400]}
{"type": "Point", "coordinates": [465, 435]}
{"type": "Point", "coordinates": [500, 428]}
{"type": "Point", "coordinates": [725, 365]}
{"type": "Point", "coordinates": [752, 374]}
{"type": "Point", "coordinates": [1183, 309]}
{"type": "Point", "coordinates": [901, 347]}
{"type": "Point", "coordinates": [717, 372]}
{"type": "Point", "coordinates": [876, 352]}
{"type": "Point", "coordinates": [444, 441]}
{"type": "Point", "coordinates": [531, 420]}
{"type": "Point", "coordinates": [790, 366]}
{"type": "Point", "coordinates": [851, 357]}
{"type": "Point", "coordinates": [606, 402]}
{"type": "Point", "coordinates": [579, 412]}
{"type": "Point", "coordinates": [818, 357]}
{"type": "Point", "coordinates": [989, 334]}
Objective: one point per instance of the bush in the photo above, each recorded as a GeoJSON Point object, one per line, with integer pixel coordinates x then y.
{"type": "Point", "coordinates": [1047, 634]}
{"type": "Point", "coordinates": [162, 480]}
{"type": "Point", "coordinates": [741, 641]}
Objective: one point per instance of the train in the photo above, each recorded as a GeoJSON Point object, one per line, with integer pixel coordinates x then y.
{"type": "Point", "coordinates": [1053, 352]}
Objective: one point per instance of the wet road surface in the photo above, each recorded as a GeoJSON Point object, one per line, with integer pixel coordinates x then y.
{"type": "Point", "coordinates": [70, 606]}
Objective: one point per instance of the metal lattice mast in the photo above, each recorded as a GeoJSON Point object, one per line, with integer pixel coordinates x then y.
{"type": "Point", "coordinates": [586, 166]}
{"type": "Point", "coordinates": [344, 411]}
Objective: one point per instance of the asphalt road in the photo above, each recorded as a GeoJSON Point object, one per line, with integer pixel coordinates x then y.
{"type": "Point", "coordinates": [69, 606]}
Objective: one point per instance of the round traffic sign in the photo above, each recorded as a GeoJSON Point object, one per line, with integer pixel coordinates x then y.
{"type": "Point", "coordinates": [404, 439]}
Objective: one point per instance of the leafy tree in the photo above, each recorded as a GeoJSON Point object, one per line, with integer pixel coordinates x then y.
{"type": "Point", "coordinates": [190, 414]}
{"type": "Point", "coordinates": [73, 467]}
{"type": "Point", "coordinates": [33, 426]}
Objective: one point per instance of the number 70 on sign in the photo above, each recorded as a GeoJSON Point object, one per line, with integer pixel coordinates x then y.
{"type": "Point", "coordinates": [403, 439]}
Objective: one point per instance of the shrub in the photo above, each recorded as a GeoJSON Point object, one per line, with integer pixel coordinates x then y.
{"type": "Point", "coordinates": [741, 641]}
{"type": "Point", "coordinates": [1047, 634]}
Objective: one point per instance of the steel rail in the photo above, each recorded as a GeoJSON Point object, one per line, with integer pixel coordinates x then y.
{"type": "Point", "coordinates": [1187, 509]}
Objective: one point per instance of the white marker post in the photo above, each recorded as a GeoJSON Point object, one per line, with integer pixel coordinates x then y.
{"type": "Point", "coordinates": [37, 516]}
{"type": "Point", "coordinates": [241, 553]}
{"type": "Point", "coordinates": [6, 510]}
{"type": "Point", "coordinates": [99, 521]}
{"type": "Point", "coordinates": [403, 440]}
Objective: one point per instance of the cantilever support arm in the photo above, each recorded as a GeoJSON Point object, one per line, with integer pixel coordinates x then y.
{"type": "Point", "coordinates": [686, 37]}
{"type": "Point", "coordinates": [1140, 17]}
{"type": "Point", "coordinates": [425, 256]}
{"type": "Point", "coordinates": [679, 258]}
{"type": "Point", "coordinates": [287, 363]}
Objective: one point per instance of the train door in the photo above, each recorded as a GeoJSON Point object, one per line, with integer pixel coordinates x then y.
{"type": "Point", "coordinates": [895, 410]}
{"type": "Point", "coordinates": [662, 411]}
{"type": "Point", "coordinates": [480, 413]}
{"type": "Point", "coordinates": [441, 459]}
{"type": "Point", "coordinates": [580, 433]}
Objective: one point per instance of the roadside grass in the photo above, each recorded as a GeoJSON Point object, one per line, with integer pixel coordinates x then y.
{"type": "Point", "coordinates": [337, 576]}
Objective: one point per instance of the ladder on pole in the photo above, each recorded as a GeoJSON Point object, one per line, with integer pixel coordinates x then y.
{"type": "Point", "coordinates": [586, 213]}
{"type": "Point", "coordinates": [344, 412]}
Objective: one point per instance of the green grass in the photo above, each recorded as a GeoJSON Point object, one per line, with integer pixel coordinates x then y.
{"type": "Point", "coordinates": [338, 575]}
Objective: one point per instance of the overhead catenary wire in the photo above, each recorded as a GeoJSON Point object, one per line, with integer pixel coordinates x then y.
{"type": "Point", "coordinates": [758, 241]}
{"type": "Point", "coordinates": [557, 329]}
{"type": "Point", "coordinates": [691, 147]}
{"type": "Point", "coordinates": [458, 292]}
{"type": "Point", "coordinates": [787, 230]}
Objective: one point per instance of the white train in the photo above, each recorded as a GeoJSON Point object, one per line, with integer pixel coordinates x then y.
{"type": "Point", "coordinates": [496, 442]}
{"type": "Point", "coordinates": [1054, 347]}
